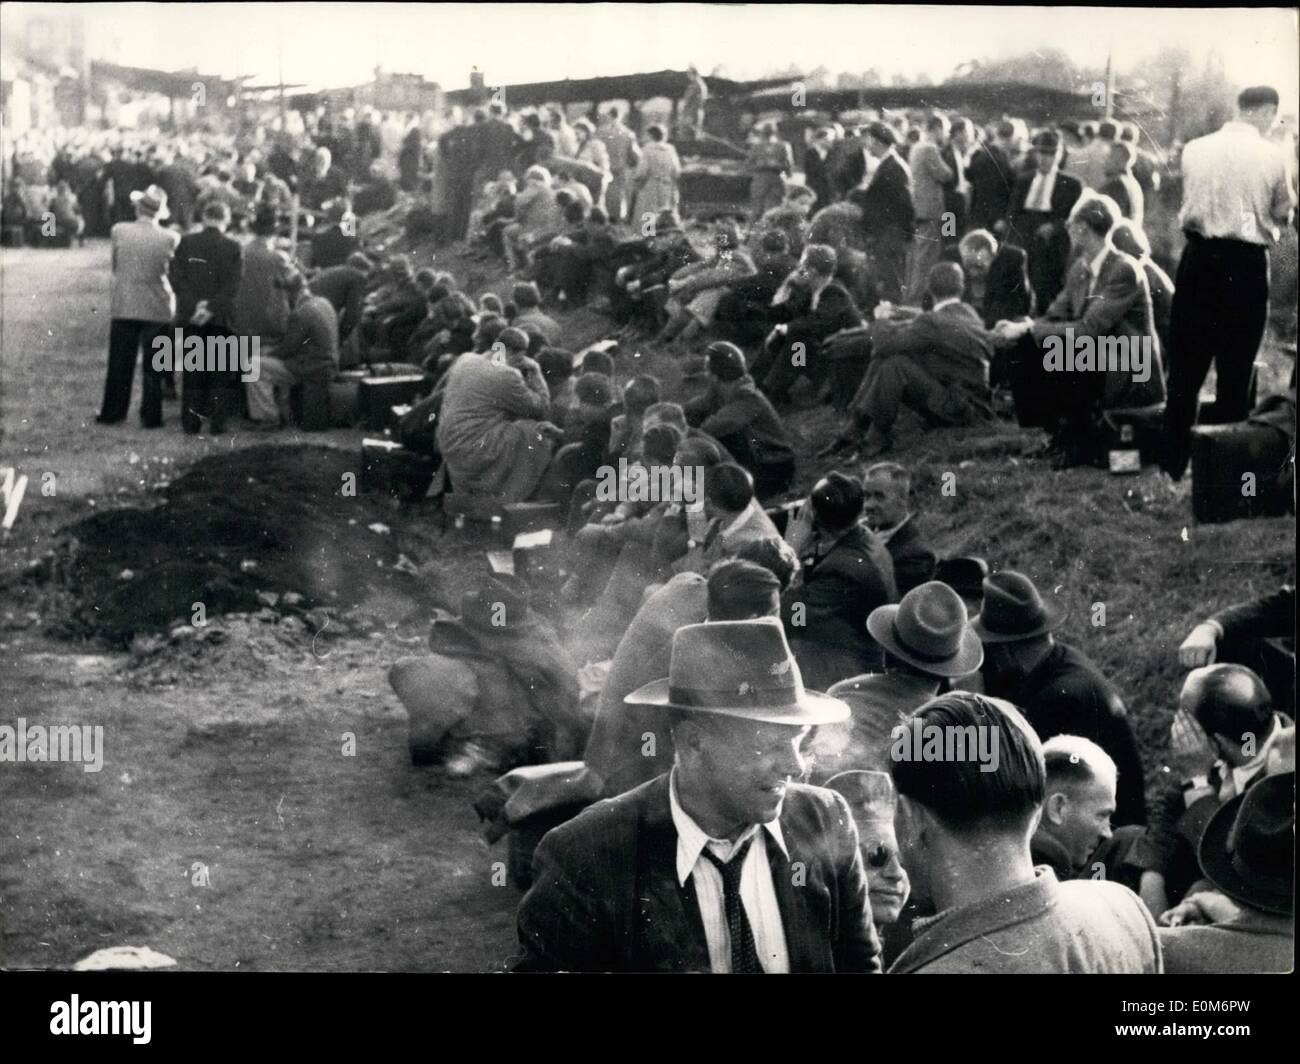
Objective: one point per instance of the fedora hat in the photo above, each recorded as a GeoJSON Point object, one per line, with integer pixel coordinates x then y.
{"type": "Point", "coordinates": [153, 201]}
{"type": "Point", "coordinates": [1013, 609]}
{"type": "Point", "coordinates": [928, 629]}
{"type": "Point", "coordinates": [1248, 848]}
{"type": "Point", "coordinates": [738, 669]}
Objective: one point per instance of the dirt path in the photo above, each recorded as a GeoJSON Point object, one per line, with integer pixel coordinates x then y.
{"type": "Point", "coordinates": [315, 860]}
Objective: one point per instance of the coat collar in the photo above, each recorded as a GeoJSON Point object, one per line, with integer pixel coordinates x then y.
{"type": "Point", "coordinates": [672, 910]}
{"type": "Point", "coordinates": [952, 929]}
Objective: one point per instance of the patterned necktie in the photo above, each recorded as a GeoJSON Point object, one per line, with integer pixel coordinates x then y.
{"type": "Point", "coordinates": [744, 955]}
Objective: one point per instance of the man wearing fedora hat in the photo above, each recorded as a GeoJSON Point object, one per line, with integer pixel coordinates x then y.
{"type": "Point", "coordinates": [1057, 687]}
{"type": "Point", "coordinates": [927, 642]}
{"type": "Point", "coordinates": [1248, 852]}
{"type": "Point", "coordinates": [142, 307]}
{"type": "Point", "coordinates": [724, 864]}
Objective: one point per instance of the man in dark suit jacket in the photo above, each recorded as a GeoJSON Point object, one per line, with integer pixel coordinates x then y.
{"type": "Point", "coordinates": [991, 179]}
{"type": "Point", "coordinates": [1251, 633]}
{"type": "Point", "coordinates": [1058, 688]}
{"type": "Point", "coordinates": [886, 510]}
{"type": "Point", "coordinates": [205, 271]}
{"type": "Point", "coordinates": [888, 214]}
{"type": "Point", "coordinates": [937, 363]}
{"type": "Point", "coordinates": [1096, 346]}
{"type": "Point", "coordinates": [997, 278]}
{"type": "Point", "coordinates": [723, 864]}
{"type": "Point", "coordinates": [846, 574]}
{"type": "Point", "coordinates": [809, 307]}
{"type": "Point", "coordinates": [1037, 213]}
{"type": "Point", "coordinates": [817, 166]}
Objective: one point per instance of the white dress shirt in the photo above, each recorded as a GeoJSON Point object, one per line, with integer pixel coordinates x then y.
{"type": "Point", "coordinates": [1040, 191]}
{"type": "Point", "coordinates": [1235, 186]}
{"type": "Point", "coordinates": [757, 891]}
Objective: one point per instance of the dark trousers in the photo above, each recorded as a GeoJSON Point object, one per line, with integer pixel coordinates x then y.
{"type": "Point", "coordinates": [1219, 312]}
{"type": "Point", "coordinates": [210, 394]}
{"type": "Point", "coordinates": [126, 338]}
{"type": "Point", "coordinates": [775, 367]}
{"type": "Point", "coordinates": [1052, 400]}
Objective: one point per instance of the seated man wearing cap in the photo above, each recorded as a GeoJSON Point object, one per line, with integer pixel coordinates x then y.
{"type": "Point", "coordinates": [1245, 924]}
{"type": "Point", "coordinates": [309, 351]}
{"type": "Point", "coordinates": [845, 573]}
{"type": "Point", "coordinates": [1040, 204]}
{"type": "Point", "coordinates": [743, 420]}
{"type": "Point", "coordinates": [1081, 781]}
{"type": "Point", "coordinates": [927, 642]}
{"type": "Point", "coordinates": [724, 864]}
{"type": "Point", "coordinates": [744, 311]}
{"type": "Point", "coordinates": [964, 826]}
{"type": "Point", "coordinates": [1059, 689]}
{"type": "Point", "coordinates": [1220, 741]}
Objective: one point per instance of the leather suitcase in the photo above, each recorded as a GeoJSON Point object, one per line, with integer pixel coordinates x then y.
{"type": "Point", "coordinates": [376, 397]}
{"type": "Point", "coordinates": [1222, 458]}
{"type": "Point", "coordinates": [343, 402]}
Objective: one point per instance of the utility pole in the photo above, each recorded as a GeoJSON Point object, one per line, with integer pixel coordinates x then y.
{"type": "Point", "coordinates": [1110, 81]}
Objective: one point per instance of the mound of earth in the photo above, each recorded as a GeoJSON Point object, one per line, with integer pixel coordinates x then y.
{"type": "Point", "coordinates": [264, 527]}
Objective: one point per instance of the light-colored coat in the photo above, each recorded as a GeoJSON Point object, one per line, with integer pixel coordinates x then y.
{"type": "Point", "coordinates": [1042, 928]}
{"type": "Point", "coordinates": [655, 178]}
{"type": "Point", "coordinates": [488, 435]}
{"type": "Point", "coordinates": [1252, 942]}
{"type": "Point", "coordinates": [142, 255]}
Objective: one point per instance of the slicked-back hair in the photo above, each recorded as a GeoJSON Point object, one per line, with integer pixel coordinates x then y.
{"type": "Point", "coordinates": [958, 792]}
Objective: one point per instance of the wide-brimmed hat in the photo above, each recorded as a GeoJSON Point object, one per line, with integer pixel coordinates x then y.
{"type": "Point", "coordinates": [1013, 609]}
{"type": "Point", "coordinates": [929, 630]}
{"type": "Point", "coordinates": [1248, 848]}
{"type": "Point", "coordinates": [964, 575]}
{"type": "Point", "coordinates": [153, 201]}
{"type": "Point", "coordinates": [738, 669]}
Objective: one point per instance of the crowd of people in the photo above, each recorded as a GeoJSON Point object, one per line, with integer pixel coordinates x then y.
{"type": "Point", "coordinates": [925, 267]}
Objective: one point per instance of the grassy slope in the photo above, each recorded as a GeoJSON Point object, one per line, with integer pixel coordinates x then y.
{"type": "Point", "coordinates": [1128, 543]}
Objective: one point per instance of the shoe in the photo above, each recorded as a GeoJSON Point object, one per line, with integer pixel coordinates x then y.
{"type": "Point", "coordinates": [152, 424]}
{"type": "Point", "coordinates": [102, 420]}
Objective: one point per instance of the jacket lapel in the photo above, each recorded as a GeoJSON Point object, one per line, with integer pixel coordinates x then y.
{"type": "Point", "coordinates": [670, 935]}
{"type": "Point", "coordinates": [799, 887]}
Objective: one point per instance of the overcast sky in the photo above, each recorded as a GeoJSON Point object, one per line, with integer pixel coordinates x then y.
{"type": "Point", "coordinates": [328, 44]}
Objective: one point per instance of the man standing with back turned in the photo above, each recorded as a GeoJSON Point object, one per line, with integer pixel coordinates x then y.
{"type": "Point", "coordinates": [1236, 196]}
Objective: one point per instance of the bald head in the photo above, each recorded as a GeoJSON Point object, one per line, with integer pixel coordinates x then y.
{"type": "Point", "coordinates": [1229, 701]}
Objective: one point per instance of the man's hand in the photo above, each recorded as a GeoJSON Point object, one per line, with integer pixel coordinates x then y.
{"type": "Point", "coordinates": [202, 314]}
{"type": "Point", "coordinates": [1044, 232]}
{"type": "Point", "coordinates": [1200, 646]}
{"type": "Point", "coordinates": [1189, 747]}
{"type": "Point", "coordinates": [1203, 907]}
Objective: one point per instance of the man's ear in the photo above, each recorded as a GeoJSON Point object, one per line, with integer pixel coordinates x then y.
{"type": "Point", "coordinates": [1056, 807]}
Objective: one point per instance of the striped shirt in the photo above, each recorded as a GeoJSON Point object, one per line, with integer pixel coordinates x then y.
{"type": "Point", "coordinates": [757, 891]}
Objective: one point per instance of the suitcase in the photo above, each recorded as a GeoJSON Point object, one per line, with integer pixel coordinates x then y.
{"type": "Point", "coordinates": [311, 405]}
{"type": "Point", "coordinates": [1236, 471]}
{"type": "Point", "coordinates": [343, 402]}
{"type": "Point", "coordinates": [376, 397]}
{"type": "Point", "coordinates": [1146, 430]}
{"type": "Point", "coordinates": [520, 517]}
